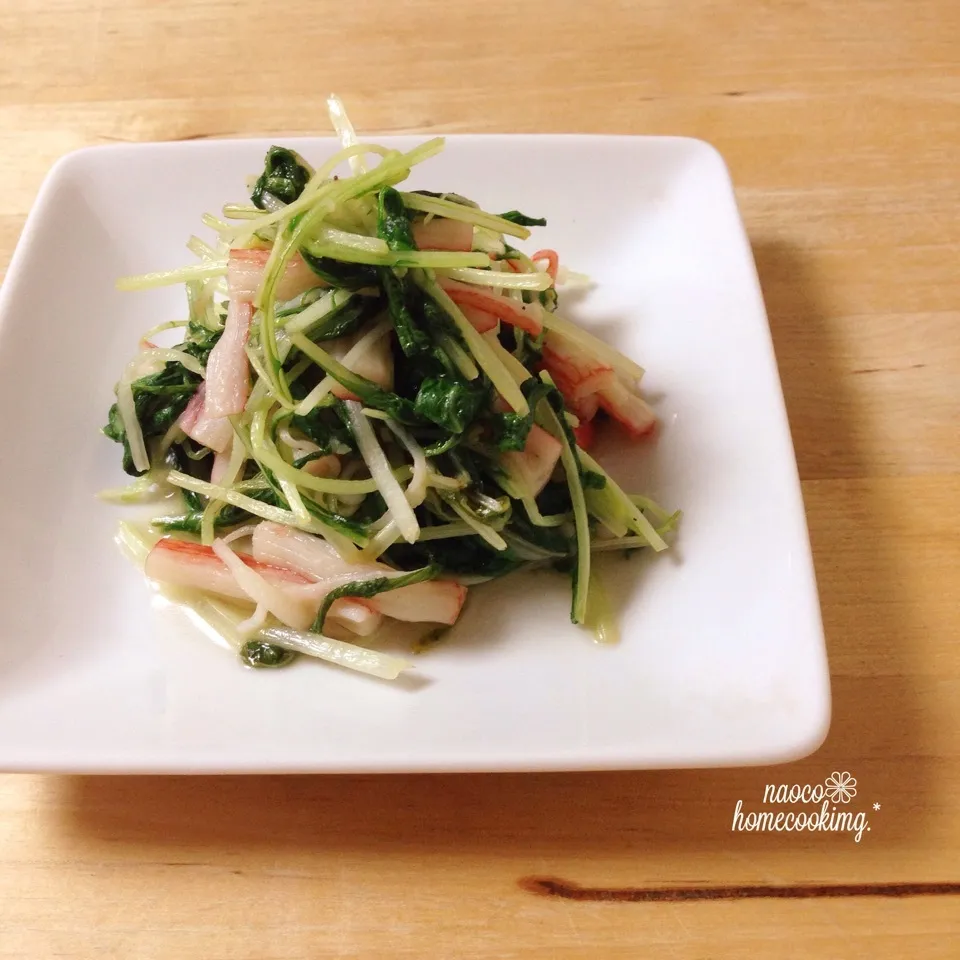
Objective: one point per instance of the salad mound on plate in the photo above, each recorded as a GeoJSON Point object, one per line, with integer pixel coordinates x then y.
{"type": "Point", "coordinates": [373, 405]}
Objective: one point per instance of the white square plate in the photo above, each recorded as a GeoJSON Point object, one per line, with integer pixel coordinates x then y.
{"type": "Point", "coordinates": [722, 658]}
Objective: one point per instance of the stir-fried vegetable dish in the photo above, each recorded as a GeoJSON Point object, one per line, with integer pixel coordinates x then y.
{"type": "Point", "coordinates": [374, 405]}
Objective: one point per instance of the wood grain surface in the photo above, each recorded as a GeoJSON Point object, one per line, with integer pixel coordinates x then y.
{"type": "Point", "coordinates": [841, 126]}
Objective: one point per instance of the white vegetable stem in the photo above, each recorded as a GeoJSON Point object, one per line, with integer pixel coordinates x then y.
{"type": "Point", "coordinates": [348, 136]}
{"type": "Point", "coordinates": [371, 662]}
{"type": "Point", "coordinates": [265, 511]}
{"type": "Point", "coordinates": [503, 280]}
{"type": "Point", "coordinates": [633, 515]}
{"type": "Point", "coordinates": [417, 488]}
{"type": "Point", "coordinates": [315, 311]}
{"type": "Point", "coordinates": [163, 278]}
{"type": "Point", "coordinates": [481, 529]}
{"type": "Point", "coordinates": [224, 621]}
{"type": "Point", "coordinates": [283, 606]}
{"type": "Point", "coordinates": [380, 470]}
{"type": "Point", "coordinates": [592, 346]}
{"type": "Point", "coordinates": [128, 414]}
{"type": "Point", "coordinates": [458, 211]}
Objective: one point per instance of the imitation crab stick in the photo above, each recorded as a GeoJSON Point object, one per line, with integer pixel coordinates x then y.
{"type": "Point", "coordinates": [443, 234]}
{"type": "Point", "coordinates": [433, 601]}
{"type": "Point", "coordinates": [245, 274]}
{"type": "Point", "coordinates": [526, 316]}
{"type": "Point", "coordinates": [212, 432]}
{"type": "Point", "coordinates": [228, 369]}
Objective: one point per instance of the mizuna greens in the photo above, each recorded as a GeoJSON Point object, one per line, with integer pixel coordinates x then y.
{"type": "Point", "coordinates": [374, 404]}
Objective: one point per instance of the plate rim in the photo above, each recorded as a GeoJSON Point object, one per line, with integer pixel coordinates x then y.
{"type": "Point", "coordinates": [72, 163]}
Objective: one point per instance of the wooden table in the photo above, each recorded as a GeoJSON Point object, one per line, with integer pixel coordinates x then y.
{"type": "Point", "coordinates": [841, 125]}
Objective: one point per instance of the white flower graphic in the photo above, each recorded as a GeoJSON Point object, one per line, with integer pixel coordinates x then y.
{"type": "Point", "coordinates": [841, 786]}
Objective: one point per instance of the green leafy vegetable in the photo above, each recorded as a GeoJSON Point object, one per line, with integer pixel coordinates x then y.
{"type": "Point", "coordinates": [260, 653]}
{"type": "Point", "coordinates": [177, 459]}
{"type": "Point", "coordinates": [592, 480]}
{"type": "Point", "coordinates": [185, 523]}
{"type": "Point", "coordinates": [512, 429]}
{"type": "Point", "coordinates": [159, 399]}
{"type": "Point", "coordinates": [434, 318]}
{"type": "Point", "coordinates": [442, 446]}
{"type": "Point", "coordinates": [553, 540]}
{"type": "Point", "coordinates": [522, 220]}
{"type": "Point", "coordinates": [370, 588]}
{"type": "Point", "coordinates": [411, 338]}
{"type": "Point", "coordinates": [284, 176]}
{"type": "Point", "coordinates": [345, 319]}
{"type": "Point", "coordinates": [351, 276]}
{"type": "Point", "coordinates": [452, 197]}
{"type": "Point", "coordinates": [450, 403]}
{"type": "Point", "coordinates": [200, 341]}
{"type": "Point", "coordinates": [393, 221]}
{"type": "Point", "coordinates": [580, 576]}
{"type": "Point", "coordinates": [462, 556]}
{"type": "Point", "coordinates": [229, 516]}
{"type": "Point", "coordinates": [548, 299]}
{"type": "Point", "coordinates": [326, 428]}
